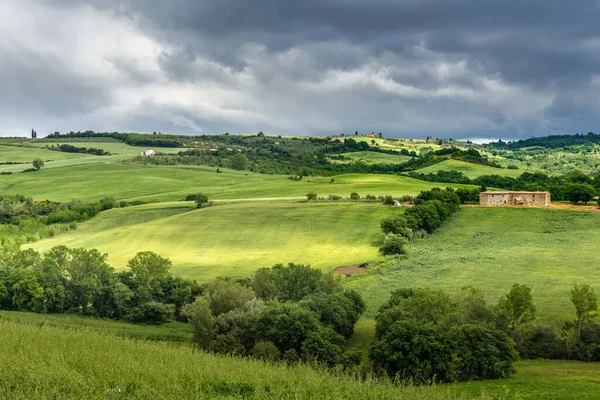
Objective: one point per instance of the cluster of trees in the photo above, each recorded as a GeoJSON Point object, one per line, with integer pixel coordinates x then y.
{"type": "Point", "coordinates": [424, 335]}
{"type": "Point", "coordinates": [550, 142]}
{"type": "Point", "coordinates": [133, 139]}
{"type": "Point", "coordinates": [67, 148]}
{"type": "Point", "coordinates": [431, 209]}
{"type": "Point", "coordinates": [80, 281]}
{"type": "Point", "coordinates": [575, 186]}
{"type": "Point", "coordinates": [15, 208]}
{"type": "Point", "coordinates": [288, 313]}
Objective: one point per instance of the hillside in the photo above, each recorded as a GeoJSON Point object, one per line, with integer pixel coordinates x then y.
{"type": "Point", "coordinates": [493, 248]}
{"type": "Point", "coordinates": [234, 239]}
{"type": "Point", "coordinates": [79, 360]}
{"type": "Point", "coordinates": [470, 170]}
{"type": "Point", "coordinates": [132, 181]}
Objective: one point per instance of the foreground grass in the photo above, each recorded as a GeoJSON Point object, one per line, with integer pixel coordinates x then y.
{"type": "Point", "coordinates": [234, 239]}
{"type": "Point", "coordinates": [132, 181]}
{"type": "Point", "coordinates": [46, 362]}
{"type": "Point", "coordinates": [470, 170]}
{"type": "Point", "coordinates": [493, 248]}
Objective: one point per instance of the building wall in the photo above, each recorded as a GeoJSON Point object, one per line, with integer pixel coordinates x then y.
{"type": "Point", "coordinates": [539, 199]}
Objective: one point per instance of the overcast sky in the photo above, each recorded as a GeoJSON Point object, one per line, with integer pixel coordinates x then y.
{"type": "Point", "coordinates": [412, 68]}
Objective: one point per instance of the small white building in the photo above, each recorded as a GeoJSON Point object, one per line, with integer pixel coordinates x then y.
{"type": "Point", "coordinates": [148, 152]}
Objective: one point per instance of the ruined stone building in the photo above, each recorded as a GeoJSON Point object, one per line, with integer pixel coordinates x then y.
{"type": "Point", "coordinates": [538, 199]}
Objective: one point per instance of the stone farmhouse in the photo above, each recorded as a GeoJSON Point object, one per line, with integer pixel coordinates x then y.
{"type": "Point", "coordinates": [537, 199]}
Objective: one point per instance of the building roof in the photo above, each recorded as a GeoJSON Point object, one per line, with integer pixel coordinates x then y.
{"type": "Point", "coordinates": [512, 192]}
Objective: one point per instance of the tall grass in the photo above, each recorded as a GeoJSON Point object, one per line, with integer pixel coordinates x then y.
{"type": "Point", "coordinates": [46, 362]}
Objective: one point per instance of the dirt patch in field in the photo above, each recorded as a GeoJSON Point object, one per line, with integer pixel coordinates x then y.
{"type": "Point", "coordinates": [351, 269]}
{"type": "Point", "coordinates": [579, 207]}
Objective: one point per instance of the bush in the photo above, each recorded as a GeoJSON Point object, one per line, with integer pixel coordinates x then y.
{"type": "Point", "coordinates": [388, 201]}
{"type": "Point", "coordinates": [266, 351]}
{"type": "Point", "coordinates": [393, 244]}
{"type": "Point", "coordinates": [354, 196]}
{"type": "Point", "coordinates": [152, 313]}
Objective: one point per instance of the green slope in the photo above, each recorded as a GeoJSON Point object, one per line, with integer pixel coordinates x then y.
{"type": "Point", "coordinates": [235, 239]}
{"type": "Point", "coordinates": [133, 181]}
{"type": "Point", "coordinates": [371, 157]}
{"type": "Point", "coordinates": [470, 170]}
{"type": "Point", "coordinates": [493, 248]}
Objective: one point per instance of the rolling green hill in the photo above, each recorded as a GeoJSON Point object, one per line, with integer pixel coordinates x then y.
{"type": "Point", "coordinates": [493, 248]}
{"type": "Point", "coordinates": [133, 181]}
{"type": "Point", "coordinates": [371, 157]}
{"type": "Point", "coordinates": [469, 170]}
{"type": "Point", "coordinates": [234, 239]}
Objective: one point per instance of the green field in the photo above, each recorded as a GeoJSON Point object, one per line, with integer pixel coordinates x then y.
{"type": "Point", "coordinates": [234, 239]}
{"type": "Point", "coordinates": [14, 153]}
{"type": "Point", "coordinates": [45, 357]}
{"type": "Point", "coordinates": [493, 248]}
{"type": "Point", "coordinates": [115, 148]}
{"type": "Point", "coordinates": [470, 170]}
{"type": "Point", "coordinates": [43, 361]}
{"type": "Point", "coordinates": [371, 157]}
{"type": "Point", "coordinates": [133, 181]}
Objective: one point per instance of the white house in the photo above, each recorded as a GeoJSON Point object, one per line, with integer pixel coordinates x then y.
{"type": "Point", "coordinates": [148, 152]}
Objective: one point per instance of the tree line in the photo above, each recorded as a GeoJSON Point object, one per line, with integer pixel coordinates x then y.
{"type": "Point", "coordinates": [431, 209]}
{"type": "Point", "coordinates": [574, 187]}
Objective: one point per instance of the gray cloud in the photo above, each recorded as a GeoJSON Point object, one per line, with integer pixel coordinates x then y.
{"type": "Point", "coordinates": [466, 68]}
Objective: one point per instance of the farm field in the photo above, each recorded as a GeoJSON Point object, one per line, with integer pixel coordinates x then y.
{"type": "Point", "coordinates": [234, 239]}
{"type": "Point", "coordinates": [115, 148]}
{"type": "Point", "coordinates": [371, 157]}
{"type": "Point", "coordinates": [470, 170]}
{"type": "Point", "coordinates": [77, 360]}
{"type": "Point", "coordinates": [493, 248]}
{"type": "Point", "coordinates": [14, 153]}
{"type": "Point", "coordinates": [132, 181]}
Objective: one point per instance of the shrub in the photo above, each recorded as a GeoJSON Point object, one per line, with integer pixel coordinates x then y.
{"type": "Point", "coordinates": [266, 351]}
{"type": "Point", "coordinates": [393, 244]}
{"type": "Point", "coordinates": [354, 196]}
{"type": "Point", "coordinates": [388, 201]}
{"type": "Point", "coordinates": [152, 313]}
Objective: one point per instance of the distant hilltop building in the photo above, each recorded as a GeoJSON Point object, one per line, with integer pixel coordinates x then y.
{"type": "Point", "coordinates": [537, 199]}
{"type": "Point", "coordinates": [148, 152]}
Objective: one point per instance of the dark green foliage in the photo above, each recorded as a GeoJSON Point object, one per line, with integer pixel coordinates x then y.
{"type": "Point", "coordinates": [516, 309]}
{"type": "Point", "coordinates": [152, 313]}
{"type": "Point", "coordinates": [393, 244]}
{"type": "Point", "coordinates": [198, 198]}
{"type": "Point", "coordinates": [38, 164]}
{"type": "Point", "coordinates": [550, 142]}
{"type": "Point", "coordinates": [311, 196]}
{"type": "Point", "coordinates": [67, 148]}
{"type": "Point", "coordinates": [580, 192]}
{"type": "Point", "coordinates": [423, 335]}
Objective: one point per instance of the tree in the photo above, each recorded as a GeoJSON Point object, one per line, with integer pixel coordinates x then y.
{"type": "Point", "coordinates": [311, 196]}
{"type": "Point", "coordinates": [580, 192]}
{"type": "Point", "coordinates": [585, 302]}
{"type": "Point", "coordinates": [199, 199]}
{"type": "Point", "coordinates": [516, 308]}
{"type": "Point", "coordinates": [38, 164]}
{"type": "Point", "coordinates": [393, 244]}
{"type": "Point", "coordinates": [224, 295]}
{"type": "Point", "coordinates": [201, 320]}
{"type": "Point", "coordinates": [149, 272]}
{"type": "Point", "coordinates": [354, 196]}
{"type": "Point", "coordinates": [239, 161]}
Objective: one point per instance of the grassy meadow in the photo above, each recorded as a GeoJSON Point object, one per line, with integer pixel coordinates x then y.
{"type": "Point", "coordinates": [234, 239]}
{"type": "Point", "coordinates": [493, 248]}
{"type": "Point", "coordinates": [113, 147]}
{"type": "Point", "coordinates": [371, 157]}
{"type": "Point", "coordinates": [132, 181]}
{"type": "Point", "coordinates": [470, 170]}
{"type": "Point", "coordinates": [45, 357]}
{"type": "Point", "coordinates": [48, 362]}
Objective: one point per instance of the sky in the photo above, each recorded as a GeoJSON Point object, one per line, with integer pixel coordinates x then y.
{"type": "Point", "coordinates": [459, 69]}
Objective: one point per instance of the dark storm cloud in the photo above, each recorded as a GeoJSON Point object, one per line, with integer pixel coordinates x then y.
{"type": "Point", "coordinates": [485, 68]}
